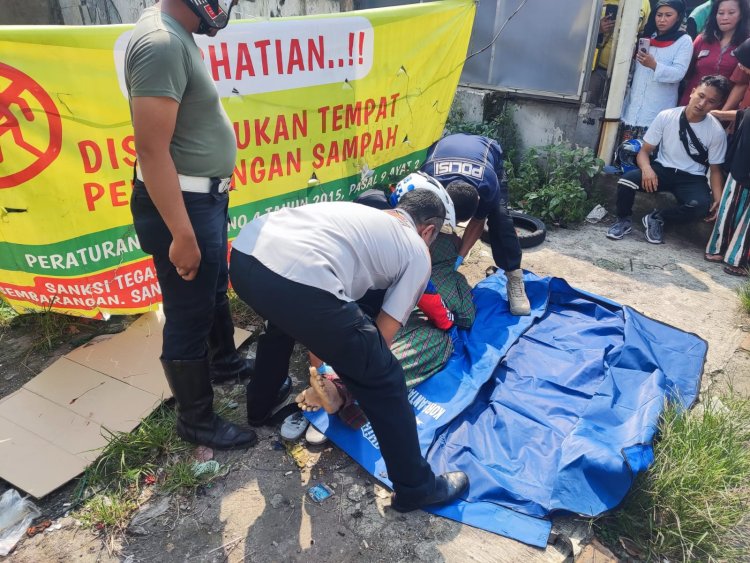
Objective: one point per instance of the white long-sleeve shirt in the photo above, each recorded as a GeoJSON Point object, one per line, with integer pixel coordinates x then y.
{"type": "Point", "coordinates": [653, 91]}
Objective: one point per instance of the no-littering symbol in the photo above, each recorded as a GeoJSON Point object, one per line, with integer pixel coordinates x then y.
{"type": "Point", "coordinates": [30, 128]}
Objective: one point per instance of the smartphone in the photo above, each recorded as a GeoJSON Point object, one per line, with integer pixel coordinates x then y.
{"type": "Point", "coordinates": [643, 44]}
{"type": "Point", "coordinates": [610, 11]}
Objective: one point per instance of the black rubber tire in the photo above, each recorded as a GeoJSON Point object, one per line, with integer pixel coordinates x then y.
{"type": "Point", "coordinates": [531, 230]}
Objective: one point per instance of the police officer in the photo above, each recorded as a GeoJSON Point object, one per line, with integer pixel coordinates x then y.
{"type": "Point", "coordinates": [186, 153]}
{"type": "Point", "coordinates": [478, 162]}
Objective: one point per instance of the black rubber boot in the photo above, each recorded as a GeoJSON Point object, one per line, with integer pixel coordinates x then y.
{"type": "Point", "coordinates": [196, 420]}
{"type": "Point", "coordinates": [225, 363]}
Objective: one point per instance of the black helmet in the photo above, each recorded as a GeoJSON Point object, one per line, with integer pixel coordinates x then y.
{"type": "Point", "coordinates": [214, 14]}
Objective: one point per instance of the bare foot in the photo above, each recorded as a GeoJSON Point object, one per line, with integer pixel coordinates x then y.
{"type": "Point", "coordinates": [326, 392]}
{"type": "Point", "coordinates": [309, 400]}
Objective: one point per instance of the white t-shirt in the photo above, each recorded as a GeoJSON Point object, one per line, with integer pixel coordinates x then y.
{"type": "Point", "coordinates": [665, 132]}
{"type": "Point", "coordinates": [345, 249]}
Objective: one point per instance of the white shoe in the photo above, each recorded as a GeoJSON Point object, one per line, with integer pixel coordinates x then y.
{"type": "Point", "coordinates": [314, 436]}
{"type": "Point", "coordinates": [294, 426]}
{"type": "Point", "coordinates": [517, 300]}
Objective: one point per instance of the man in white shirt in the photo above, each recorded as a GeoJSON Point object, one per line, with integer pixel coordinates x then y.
{"type": "Point", "coordinates": [690, 142]}
{"type": "Point", "coordinates": [319, 274]}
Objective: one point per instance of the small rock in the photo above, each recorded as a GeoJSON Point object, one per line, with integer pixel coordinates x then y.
{"type": "Point", "coordinates": [149, 511]}
{"type": "Point", "coordinates": [137, 530]}
{"type": "Point", "coordinates": [356, 492]}
{"type": "Point", "coordinates": [275, 544]}
{"type": "Point", "coordinates": [596, 553]}
{"type": "Point", "coordinates": [277, 500]}
{"type": "Point", "coordinates": [380, 492]}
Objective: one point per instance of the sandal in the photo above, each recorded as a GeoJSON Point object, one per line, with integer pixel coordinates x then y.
{"type": "Point", "coordinates": [738, 271]}
{"type": "Point", "coordinates": [713, 257]}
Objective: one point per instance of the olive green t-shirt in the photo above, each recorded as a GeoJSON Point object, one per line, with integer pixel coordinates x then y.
{"type": "Point", "coordinates": [162, 60]}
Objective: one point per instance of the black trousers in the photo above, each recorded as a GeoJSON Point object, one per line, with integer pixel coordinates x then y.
{"type": "Point", "coordinates": [342, 335]}
{"type": "Point", "coordinates": [690, 190]}
{"type": "Point", "coordinates": [193, 309]}
{"type": "Point", "coordinates": [506, 250]}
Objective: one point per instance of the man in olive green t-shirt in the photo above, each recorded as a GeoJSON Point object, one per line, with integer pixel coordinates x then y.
{"type": "Point", "coordinates": [186, 152]}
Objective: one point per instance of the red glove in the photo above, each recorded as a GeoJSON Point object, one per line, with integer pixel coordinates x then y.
{"type": "Point", "coordinates": [434, 307]}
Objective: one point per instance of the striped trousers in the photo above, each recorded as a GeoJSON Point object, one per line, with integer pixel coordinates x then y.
{"type": "Point", "coordinates": [730, 234]}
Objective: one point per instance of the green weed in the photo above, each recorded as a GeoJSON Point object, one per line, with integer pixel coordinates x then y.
{"type": "Point", "coordinates": [550, 182]}
{"type": "Point", "coordinates": [743, 292]}
{"type": "Point", "coordinates": [689, 504]}
{"type": "Point", "coordinates": [110, 513]}
{"type": "Point", "coordinates": [129, 457]}
{"type": "Point", "coordinates": [7, 314]}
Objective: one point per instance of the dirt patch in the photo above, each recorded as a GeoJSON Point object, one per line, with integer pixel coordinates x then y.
{"type": "Point", "coordinates": [260, 510]}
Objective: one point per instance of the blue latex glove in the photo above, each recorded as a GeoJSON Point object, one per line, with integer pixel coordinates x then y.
{"type": "Point", "coordinates": [459, 261]}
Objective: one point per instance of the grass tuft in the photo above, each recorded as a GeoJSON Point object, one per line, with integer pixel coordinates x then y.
{"type": "Point", "coordinates": [689, 505]}
{"type": "Point", "coordinates": [743, 292]}
{"type": "Point", "coordinates": [109, 513]}
{"type": "Point", "coordinates": [129, 457]}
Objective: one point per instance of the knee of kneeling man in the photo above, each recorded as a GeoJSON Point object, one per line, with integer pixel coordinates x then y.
{"type": "Point", "coordinates": [697, 208]}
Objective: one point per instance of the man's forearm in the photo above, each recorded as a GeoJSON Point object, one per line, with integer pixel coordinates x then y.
{"type": "Point", "coordinates": [160, 177]}
{"type": "Point", "coordinates": [473, 231]}
{"type": "Point", "coordinates": [388, 327]}
{"type": "Point", "coordinates": [717, 183]}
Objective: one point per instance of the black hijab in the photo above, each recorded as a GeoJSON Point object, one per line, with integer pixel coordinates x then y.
{"type": "Point", "coordinates": [673, 33]}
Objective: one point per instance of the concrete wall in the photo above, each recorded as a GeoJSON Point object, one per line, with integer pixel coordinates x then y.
{"type": "Point", "coordinates": [539, 122]}
{"type": "Point", "coordinates": [30, 12]}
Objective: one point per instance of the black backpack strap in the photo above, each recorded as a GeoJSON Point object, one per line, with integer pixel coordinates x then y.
{"type": "Point", "coordinates": [694, 143]}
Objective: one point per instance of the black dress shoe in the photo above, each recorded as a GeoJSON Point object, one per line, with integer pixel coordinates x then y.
{"type": "Point", "coordinates": [448, 487]}
{"type": "Point", "coordinates": [270, 417]}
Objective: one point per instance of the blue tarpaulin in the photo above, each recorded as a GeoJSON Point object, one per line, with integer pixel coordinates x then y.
{"type": "Point", "coordinates": [552, 412]}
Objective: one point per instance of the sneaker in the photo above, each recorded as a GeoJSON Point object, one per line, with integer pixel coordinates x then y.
{"type": "Point", "coordinates": [314, 436]}
{"type": "Point", "coordinates": [620, 229]}
{"type": "Point", "coordinates": [519, 303]}
{"type": "Point", "coordinates": [294, 426]}
{"type": "Point", "coordinates": [654, 227]}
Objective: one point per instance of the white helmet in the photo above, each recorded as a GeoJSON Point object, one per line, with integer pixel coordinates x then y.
{"type": "Point", "coordinates": [421, 181]}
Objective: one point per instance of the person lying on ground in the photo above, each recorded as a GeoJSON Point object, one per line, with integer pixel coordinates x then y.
{"type": "Point", "coordinates": [305, 270]}
{"type": "Point", "coordinates": [690, 141]}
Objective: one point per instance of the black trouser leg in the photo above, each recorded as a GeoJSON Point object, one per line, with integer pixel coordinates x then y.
{"type": "Point", "coordinates": [340, 334]}
{"type": "Point", "coordinates": [627, 186]}
{"type": "Point", "coordinates": [506, 249]}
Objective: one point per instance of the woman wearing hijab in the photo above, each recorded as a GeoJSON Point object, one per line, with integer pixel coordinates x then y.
{"type": "Point", "coordinates": [713, 50]}
{"type": "Point", "coordinates": [658, 69]}
{"type": "Point", "coordinates": [730, 239]}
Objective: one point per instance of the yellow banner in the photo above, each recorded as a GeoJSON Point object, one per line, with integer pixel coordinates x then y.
{"type": "Point", "coordinates": [323, 107]}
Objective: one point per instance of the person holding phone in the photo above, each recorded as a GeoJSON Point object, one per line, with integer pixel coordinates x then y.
{"type": "Point", "coordinates": [604, 46]}
{"type": "Point", "coordinates": [659, 69]}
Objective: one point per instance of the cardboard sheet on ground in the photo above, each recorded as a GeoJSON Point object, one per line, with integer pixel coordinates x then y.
{"type": "Point", "coordinates": [555, 412]}
{"type": "Point", "coordinates": [56, 425]}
